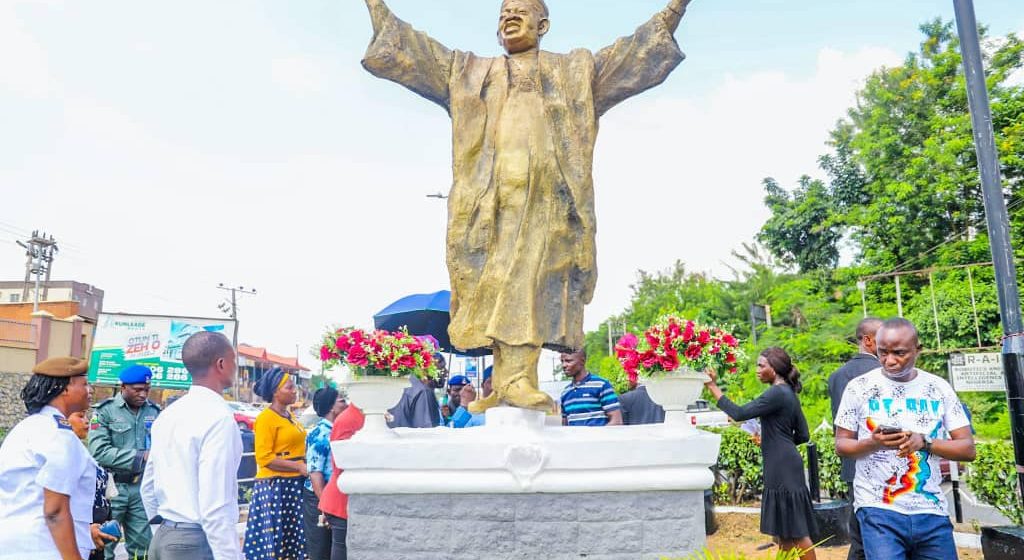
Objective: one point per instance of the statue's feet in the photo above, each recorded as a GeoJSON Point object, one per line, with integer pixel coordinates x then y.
{"type": "Point", "coordinates": [520, 392]}
{"type": "Point", "coordinates": [480, 406]}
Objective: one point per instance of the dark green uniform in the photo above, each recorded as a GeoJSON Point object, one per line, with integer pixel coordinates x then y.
{"type": "Point", "coordinates": [118, 440]}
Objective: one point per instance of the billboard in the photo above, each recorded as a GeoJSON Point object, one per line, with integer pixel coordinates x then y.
{"type": "Point", "coordinates": [122, 340]}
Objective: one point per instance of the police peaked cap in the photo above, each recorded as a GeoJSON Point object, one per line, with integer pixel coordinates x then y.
{"type": "Point", "coordinates": [64, 366]}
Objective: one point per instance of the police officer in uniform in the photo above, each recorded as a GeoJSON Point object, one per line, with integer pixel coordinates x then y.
{"type": "Point", "coordinates": [119, 439]}
{"type": "Point", "coordinates": [47, 478]}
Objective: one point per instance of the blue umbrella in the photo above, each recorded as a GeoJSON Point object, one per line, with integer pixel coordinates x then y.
{"type": "Point", "coordinates": [424, 314]}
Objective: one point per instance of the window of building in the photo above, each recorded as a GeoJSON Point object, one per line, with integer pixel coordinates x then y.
{"type": "Point", "coordinates": [14, 298]}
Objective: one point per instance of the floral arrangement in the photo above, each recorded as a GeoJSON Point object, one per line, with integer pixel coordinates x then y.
{"type": "Point", "coordinates": [395, 353]}
{"type": "Point", "coordinates": [673, 342]}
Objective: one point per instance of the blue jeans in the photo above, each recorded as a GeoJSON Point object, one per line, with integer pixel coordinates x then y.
{"type": "Point", "coordinates": [889, 535]}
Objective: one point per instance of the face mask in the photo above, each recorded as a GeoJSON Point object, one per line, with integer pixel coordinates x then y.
{"type": "Point", "coordinates": [901, 375]}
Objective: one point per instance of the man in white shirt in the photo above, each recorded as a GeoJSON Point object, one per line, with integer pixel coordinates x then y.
{"type": "Point", "coordinates": [897, 421]}
{"type": "Point", "coordinates": [191, 479]}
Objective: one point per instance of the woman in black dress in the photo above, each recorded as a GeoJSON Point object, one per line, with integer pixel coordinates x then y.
{"type": "Point", "coordinates": [786, 511]}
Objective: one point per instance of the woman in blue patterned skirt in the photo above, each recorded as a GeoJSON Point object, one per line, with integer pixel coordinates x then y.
{"type": "Point", "coordinates": [274, 529]}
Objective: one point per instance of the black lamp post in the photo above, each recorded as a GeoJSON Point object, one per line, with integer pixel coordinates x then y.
{"type": "Point", "coordinates": [998, 226]}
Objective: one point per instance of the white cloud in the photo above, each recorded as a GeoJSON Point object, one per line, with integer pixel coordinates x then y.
{"type": "Point", "coordinates": [330, 222]}
{"type": "Point", "coordinates": [24, 67]}
{"type": "Point", "coordinates": [299, 75]}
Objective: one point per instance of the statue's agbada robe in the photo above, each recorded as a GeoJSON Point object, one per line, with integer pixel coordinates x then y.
{"type": "Point", "coordinates": [521, 224]}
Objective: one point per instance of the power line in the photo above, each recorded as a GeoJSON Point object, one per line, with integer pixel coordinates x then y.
{"type": "Point", "coordinates": [950, 239]}
{"type": "Point", "coordinates": [22, 232]}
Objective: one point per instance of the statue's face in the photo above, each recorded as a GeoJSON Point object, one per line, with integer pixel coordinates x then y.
{"type": "Point", "coordinates": [521, 25]}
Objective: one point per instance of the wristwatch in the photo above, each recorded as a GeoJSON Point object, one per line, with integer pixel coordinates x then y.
{"type": "Point", "coordinates": [927, 443]}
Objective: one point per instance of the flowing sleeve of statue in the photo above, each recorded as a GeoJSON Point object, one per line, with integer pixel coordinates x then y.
{"type": "Point", "coordinates": [406, 56]}
{"type": "Point", "coordinates": [640, 61]}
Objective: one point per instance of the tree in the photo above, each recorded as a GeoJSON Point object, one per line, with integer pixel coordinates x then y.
{"type": "Point", "coordinates": [903, 175]}
{"type": "Point", "coordinates": [800, 230]}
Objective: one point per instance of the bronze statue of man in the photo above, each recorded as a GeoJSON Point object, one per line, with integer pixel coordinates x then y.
{"type": "Point", "coordinates": [521, 223]}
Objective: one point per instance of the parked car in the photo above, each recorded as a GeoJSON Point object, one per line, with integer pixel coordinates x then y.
{"type": "Point", "coordinates": [245, 414]}
{"type": "Point", "coordinates": [704, 415]}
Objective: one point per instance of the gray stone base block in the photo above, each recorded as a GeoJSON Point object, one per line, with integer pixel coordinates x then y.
{"type": "Point", "coordinates": [598, 526]}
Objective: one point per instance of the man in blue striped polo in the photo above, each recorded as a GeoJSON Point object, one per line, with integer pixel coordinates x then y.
{"type": "Point", "coordinates": [588, 400]}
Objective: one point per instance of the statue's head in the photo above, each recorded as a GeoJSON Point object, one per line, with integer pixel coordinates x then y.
{"type": "Point", "coordinates": [522, 24]}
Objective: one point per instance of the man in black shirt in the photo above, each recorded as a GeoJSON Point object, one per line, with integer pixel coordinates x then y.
{"type": "Point", "coordinates": [866, 360]}
{"type": "Point", "coordinates": [638, 408]}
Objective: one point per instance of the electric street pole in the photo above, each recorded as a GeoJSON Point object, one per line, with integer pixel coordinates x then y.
{"type": "Point", "coordinates": [40, 249]}
{"type": "Point", "coordinates": [998, 227]}
{"type": "Point", "coordinates": [232, 311]}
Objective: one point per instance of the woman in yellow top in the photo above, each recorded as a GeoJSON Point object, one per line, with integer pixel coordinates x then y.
{"type": "Point", "coordinates": [274, 528]}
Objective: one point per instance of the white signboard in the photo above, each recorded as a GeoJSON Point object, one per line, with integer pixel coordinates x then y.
{"type": "Point", "coordinates": [977, 372]}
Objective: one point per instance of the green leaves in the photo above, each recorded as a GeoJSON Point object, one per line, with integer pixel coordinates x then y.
{"type": "Point", "coordinates": [903, 174]}
{"type": "Point", "coordinates": [740, 477]}
{"type": "Point", "coordinates": [801, 229]}
{"type": "Point", "coordinates": [992, 478]}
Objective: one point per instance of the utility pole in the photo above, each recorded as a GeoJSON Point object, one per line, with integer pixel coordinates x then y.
{"type": "Point", "coordinates": [231, 309]}
{"type": "Point", "coordinates": [40, 250]}
{"type": "Point", "coordinates": [998, 226]}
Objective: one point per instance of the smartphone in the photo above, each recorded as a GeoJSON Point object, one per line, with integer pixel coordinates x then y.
{"type": "Point", "coordinates": [888, 429]}
{"type": "Point", "coordinates": [111, 528]}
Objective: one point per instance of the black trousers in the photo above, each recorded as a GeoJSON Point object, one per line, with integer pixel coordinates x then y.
{"type": "Point", "coordinates": [856, 542]}
{"type": "Point", "coordinates": [318, 539]}
{"type": "Point", "coordinates": [339, 532]}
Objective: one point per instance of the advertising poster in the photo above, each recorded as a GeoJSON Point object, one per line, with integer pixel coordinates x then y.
{"type": "Point", "coordinates": [150, 340]}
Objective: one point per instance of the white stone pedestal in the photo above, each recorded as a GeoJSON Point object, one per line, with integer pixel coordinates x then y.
{"type": "Point", "coordinates": [519, 488]}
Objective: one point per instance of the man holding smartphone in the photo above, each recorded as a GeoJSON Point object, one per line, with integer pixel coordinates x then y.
{"type": "Point", "coordinates": [897, 421]}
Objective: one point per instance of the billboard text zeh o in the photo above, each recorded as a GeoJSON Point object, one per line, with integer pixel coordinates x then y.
{"type": "Point", "coordinates": [155, 341]}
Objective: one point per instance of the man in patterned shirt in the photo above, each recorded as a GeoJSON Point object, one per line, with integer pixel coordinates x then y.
{"type": "Point", "coordinates": [588, 400]}
{"type": "Point", "coordinates": [328, 404]}
{"type": "Point", "coordinates": [897, 421]}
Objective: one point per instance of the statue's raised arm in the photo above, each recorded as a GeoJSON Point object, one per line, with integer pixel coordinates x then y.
{"type": "Point", "coordinates": [640, 61]}
{"type": "Point", "coordinates": [406, 56]}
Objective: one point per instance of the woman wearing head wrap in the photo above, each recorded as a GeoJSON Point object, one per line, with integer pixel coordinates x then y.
{"type": "Point", "coordinates": [328, 404]}
{"type": "Point", "coordinates": [274, 529]}
{"type": "Point", "coordinates": [47, 478]}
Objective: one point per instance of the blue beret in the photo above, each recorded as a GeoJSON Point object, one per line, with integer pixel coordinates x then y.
{"type": "Point", "coordinates": [135, 374]}
{"type": "Point", "coordinates": [488, 372]}
{"type": "Point", "coordinates": [458, 380]}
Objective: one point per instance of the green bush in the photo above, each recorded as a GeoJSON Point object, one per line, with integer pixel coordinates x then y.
{"type": "Point", "coordinates": [740, 477]}
{"type": "Point", "coordinates": [993, 479]}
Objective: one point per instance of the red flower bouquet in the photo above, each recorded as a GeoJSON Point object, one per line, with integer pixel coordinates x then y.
{"type": "Point", "coordinates": [380, 352]}
{"type": "Point", "coordinates": [674, 342]}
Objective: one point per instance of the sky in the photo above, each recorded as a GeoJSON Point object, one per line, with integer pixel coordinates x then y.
{"type": "Point", "coordinates": [173, 146]}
